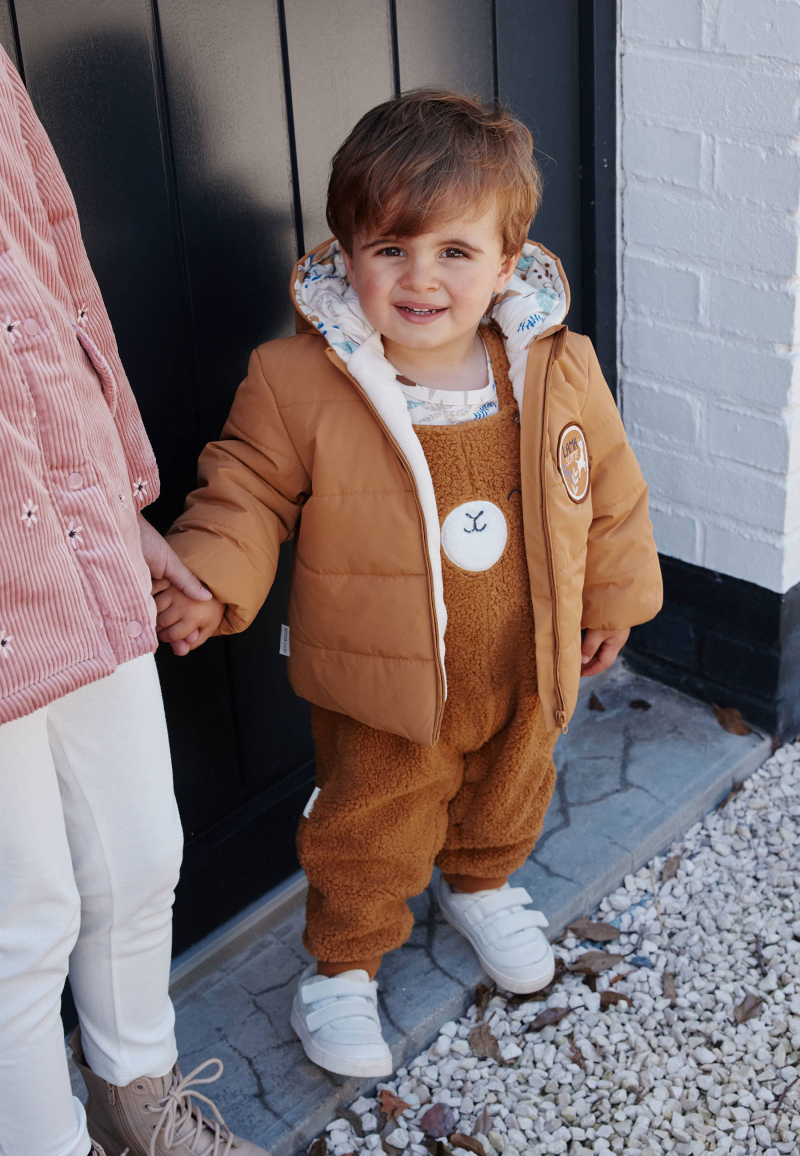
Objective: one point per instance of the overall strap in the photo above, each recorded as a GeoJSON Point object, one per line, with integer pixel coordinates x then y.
{"type": "Point", "coordinates": [495, 347]}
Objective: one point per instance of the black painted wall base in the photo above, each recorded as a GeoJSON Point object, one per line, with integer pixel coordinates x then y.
{"type": "Point", "coordinates": [726, 641]}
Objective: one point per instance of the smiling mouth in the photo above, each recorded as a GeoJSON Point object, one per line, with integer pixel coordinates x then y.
{"type": "Point", "coordinates": [421, 311]}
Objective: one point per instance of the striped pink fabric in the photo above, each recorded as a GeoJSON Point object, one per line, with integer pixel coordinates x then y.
{"type": "Point", "coordinates": [75, 462]}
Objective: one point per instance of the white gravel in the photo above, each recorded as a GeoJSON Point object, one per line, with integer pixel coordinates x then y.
{"type": "Point", "coordinates": [661, 1075]}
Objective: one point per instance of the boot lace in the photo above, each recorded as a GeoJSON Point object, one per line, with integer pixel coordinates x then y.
{"type": "Point", "coordinates": [179, 1115]}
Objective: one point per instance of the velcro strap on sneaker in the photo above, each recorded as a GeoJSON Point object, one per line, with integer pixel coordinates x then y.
{"type": "Point", "coordinates": [499, 901]}
{"type": "Point", "coordinates": [519, 921]}
{"type": "Point", "coordinates": [336, 987]}
{"type": "Point", "coordinates": [342, 1009]}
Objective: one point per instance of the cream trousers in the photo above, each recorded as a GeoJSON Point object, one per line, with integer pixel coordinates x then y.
{"type": "Point", "coordinates": [90, 851]}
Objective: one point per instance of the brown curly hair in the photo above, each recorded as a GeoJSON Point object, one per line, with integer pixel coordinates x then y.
{"type": "Point", "coordinates": [421, 157]}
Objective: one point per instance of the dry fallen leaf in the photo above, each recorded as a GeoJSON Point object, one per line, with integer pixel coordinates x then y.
{"type": "Point", "coordinates": [595, 703]}
{"type": "Point", "coordinates": [355, 1120]}
{"type": "Point", "coordinates": [608, 998]}
{"type": "Point", "coordinates": [461, 1140]}
{"type": "Point", "coordinates": [597, 932]}
{"type": "Point", "coordinates": [748, 1009]}
{"type": "Point", "coordinates": [483, 1123]}
{"type": "Point", "coordinates": [438, 1148]}
{"type": "Point", "coordinates": [483, 1042]}
{"type": "Point", "coordinates": [391, 1105]}
{"type": "Point", "coordinates": [483, 995]}
{"type": "Point", "coordinates": [782, 1096]}
{"type": "Point", "coordinates": [318, 1148]}
{"type": "Point", "coordinates": [438, 1121]}
{"type": "Point", "coordinates": [550, 1015]}
{"type": "Point", "coordinates": [576, 1056]}
{"type": "Point", "coordinates": [730, 719]}
{"type": "Point", "coordinates": [670, 868]}
{"type": "Point", "coordinates": [668, 985]}
{"type": "Point", "coordinates": [640, 704]}
{"type": "Point", "coordinates": [595, 962]}
{"type": "Point", "coordinates": [735, 790]}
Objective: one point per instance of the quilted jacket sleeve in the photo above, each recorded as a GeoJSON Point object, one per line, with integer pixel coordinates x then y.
{"type": "Point", "coordinates": [251, 489]}
{"type": "Point", "coordinates": [76, 272]}
{"type": "Point", "coordinates": [623, 578]}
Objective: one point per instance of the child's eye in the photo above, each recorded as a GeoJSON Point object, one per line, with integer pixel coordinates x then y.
{"type": "Point", "coordinates": [454, 253]}
{"type": "Point", "coordinates": [390, 251]}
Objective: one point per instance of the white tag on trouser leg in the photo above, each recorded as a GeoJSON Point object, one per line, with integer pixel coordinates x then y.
{"type": "Point", "coordinates": [309, 807]}
{"type": "Point", "coordinates": [284, 646]}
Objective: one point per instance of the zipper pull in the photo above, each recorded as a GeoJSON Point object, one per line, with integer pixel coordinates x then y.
{"type": "Point", "coordinates": [561, 720]}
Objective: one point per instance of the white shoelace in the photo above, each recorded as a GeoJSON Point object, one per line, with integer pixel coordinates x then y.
{"type": "Point", "coordinates": [179, 1115]}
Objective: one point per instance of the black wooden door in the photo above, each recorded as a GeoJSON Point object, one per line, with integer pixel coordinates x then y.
{"type": "Point", "coordinates": [196, 135]}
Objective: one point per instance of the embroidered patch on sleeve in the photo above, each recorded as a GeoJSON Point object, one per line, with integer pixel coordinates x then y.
{"type": "Point", "coordinates": [573, 461]}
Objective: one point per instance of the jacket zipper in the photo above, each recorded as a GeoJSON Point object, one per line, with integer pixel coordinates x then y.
{"type": "Point", "coordinates": [412, 479]}
{"type": "Point", "coordinates": [560, 714]}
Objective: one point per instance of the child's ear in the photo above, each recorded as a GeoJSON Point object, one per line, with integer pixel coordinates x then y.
{"type": "Point", "coordinates": [348, 265]}
{"type": "Point", "coordinates": [506, 271]}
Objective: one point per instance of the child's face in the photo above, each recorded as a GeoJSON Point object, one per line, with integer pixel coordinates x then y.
{"type": "Point", "coordinates": [429, 291]}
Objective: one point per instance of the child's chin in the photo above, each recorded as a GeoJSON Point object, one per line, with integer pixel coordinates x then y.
{"type": "Point", "coordinates": [420, 336]}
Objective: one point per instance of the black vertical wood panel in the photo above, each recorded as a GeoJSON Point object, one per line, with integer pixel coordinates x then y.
{"type": "Point", "coordinates": [539, 79]}
{"type": "Point", "coordinates": [197, 135]}
{"type": "Point", "coordinates": [91, 67]}
{"type": "Point", "coordinates": [598, 37]}
{"type": "Point", "coordinates": [447, 44]}
{"type": "Point", "coordinates": [231, 154]}
{"type": "Point", "coordinates": [331, 89]}
{"type": "Point", "coordinates": [228, 132]}
{"type": "Point", "coordinates": [8, 35]}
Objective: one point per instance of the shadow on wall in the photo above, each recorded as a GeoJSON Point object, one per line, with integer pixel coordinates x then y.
{"type": "Point", "coordinates": [194, 267]}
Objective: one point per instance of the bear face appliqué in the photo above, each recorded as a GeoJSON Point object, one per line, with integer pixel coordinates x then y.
{"type": "Point", "coordinates": [474, 535]}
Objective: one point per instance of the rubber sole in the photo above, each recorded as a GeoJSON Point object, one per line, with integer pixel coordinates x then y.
{"type": "Point", "coordinates": [330, 1061]}
{"type": "Point", "coordinates": [508, 983]}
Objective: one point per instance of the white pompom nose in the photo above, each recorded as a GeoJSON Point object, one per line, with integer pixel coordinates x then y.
{"type": "Point", "coordinates": [474, 535]}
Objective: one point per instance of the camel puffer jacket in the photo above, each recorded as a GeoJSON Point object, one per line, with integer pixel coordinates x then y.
{"type": "Point", "coordinates": [319, 444]}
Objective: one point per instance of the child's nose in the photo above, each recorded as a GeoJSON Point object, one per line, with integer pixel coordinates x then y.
{"type": "Point", "coordinates": [420, 275]}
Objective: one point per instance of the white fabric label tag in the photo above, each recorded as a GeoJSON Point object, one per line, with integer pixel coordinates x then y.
{"type": "Point", "coordinates": [309, 807]}
{"type": "Point", "coordinates": [284, 646]}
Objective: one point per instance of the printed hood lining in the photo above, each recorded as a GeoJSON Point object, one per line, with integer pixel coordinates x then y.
{"type": "Point", "coordinates": [535, 300]}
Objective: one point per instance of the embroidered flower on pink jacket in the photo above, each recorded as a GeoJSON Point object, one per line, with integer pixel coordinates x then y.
{"type": "Point", "coordinates": [6, 649]}
{"type": "Point", "coordinates": [28, 515]}
{"type": "Point", "coordinates": [139, 488]}
{"type": "Point", "coordinates": [11, 327]}
{"type": "Point", "coordinates": [74, 535]}
{"type": "Point", "coordinates": [83, 313]}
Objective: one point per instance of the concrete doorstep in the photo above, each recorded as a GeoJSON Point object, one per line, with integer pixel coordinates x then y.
{"type": "Point", "coordinates": [633, 777]}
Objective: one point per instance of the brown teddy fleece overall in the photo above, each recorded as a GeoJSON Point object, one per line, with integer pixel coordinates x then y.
{"type": "Point", "coordinates": [474, 803]}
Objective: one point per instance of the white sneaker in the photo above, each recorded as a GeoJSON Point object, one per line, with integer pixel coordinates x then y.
{"type": "Point", "coordinates": [507, 939]}
{"type": "Point", "coordinates": [337, 1022]}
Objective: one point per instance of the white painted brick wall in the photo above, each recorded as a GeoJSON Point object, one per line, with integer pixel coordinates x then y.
{"type": "Point", "coordinates": [709, 275]}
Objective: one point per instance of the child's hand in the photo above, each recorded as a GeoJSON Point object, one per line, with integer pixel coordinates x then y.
{"type": "Point", "coordinates": [600, 648]}
{"type": "Point", "coordinates": [184, 623]}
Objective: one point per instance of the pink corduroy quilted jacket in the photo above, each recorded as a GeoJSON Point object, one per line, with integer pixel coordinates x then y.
{"type": "Point", "coordinates": [75, 462]}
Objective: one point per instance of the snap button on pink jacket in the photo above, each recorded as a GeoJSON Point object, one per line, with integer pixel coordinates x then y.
{"type": "Point", "coordinates": [75, 462]}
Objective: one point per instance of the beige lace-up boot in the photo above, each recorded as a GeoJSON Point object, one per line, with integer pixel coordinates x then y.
{"type": "Point", "coordinates": [157, 1117]}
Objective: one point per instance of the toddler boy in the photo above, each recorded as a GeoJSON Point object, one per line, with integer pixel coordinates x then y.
{"type": "Point", "coordinates": [464, 503]}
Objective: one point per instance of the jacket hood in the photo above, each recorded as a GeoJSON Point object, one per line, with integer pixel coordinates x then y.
{"type": "Point", "coordinates": [536, 299]}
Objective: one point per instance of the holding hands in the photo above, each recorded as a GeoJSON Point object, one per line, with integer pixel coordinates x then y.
{"type": "Point", "coordinates": [188, 613]}
{"type": "Point", "coordinates": [183, 622]}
